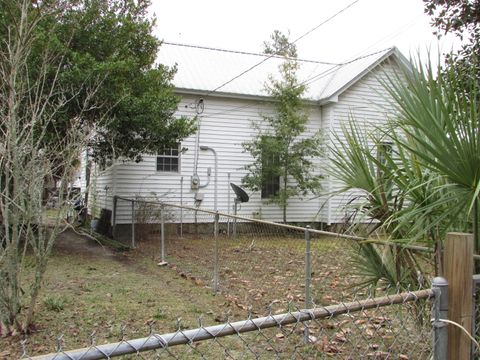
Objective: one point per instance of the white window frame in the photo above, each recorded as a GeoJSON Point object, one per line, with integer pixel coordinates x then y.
{"type": "Point", "coordinates": [168, 154]}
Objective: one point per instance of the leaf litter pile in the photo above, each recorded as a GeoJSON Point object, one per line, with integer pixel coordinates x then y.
{"type": "Point", "coordinates": [263, 274]}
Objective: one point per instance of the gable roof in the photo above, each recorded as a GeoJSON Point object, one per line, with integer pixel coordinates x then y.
{"type": "Point", "coordinates": [201, 70]}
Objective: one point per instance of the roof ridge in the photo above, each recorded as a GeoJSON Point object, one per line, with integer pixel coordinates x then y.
{"type": "Point", "coordinates": [248, 53]}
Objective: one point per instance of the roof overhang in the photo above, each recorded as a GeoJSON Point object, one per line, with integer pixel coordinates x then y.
{"type": "Point", "coordinates": [227, 95]}
{"type": "Point", "coordinates": [393, 52]}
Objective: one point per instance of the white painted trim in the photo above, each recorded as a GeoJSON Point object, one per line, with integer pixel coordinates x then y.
{"type": "Point", "coordinates": [330, 100]}
{"type": "Point", "coordinates": [393, 52]}
{"type": "Point", "coordinates": [236, 96]}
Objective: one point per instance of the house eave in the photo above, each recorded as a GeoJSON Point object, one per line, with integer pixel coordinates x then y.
{"type": "Point", "coordinates": [229, 95]}
{"type": "Point", "coordinates": [329, 100]}
{"type": "Point", "coordinates": [392, 52]}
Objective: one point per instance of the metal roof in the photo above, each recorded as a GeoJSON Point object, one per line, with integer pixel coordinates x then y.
{"type": "Point", "coordinates": [201, 70]}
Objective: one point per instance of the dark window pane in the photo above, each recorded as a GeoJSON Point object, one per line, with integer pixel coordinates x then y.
{"type": "Point", "coordinates": [168, 159]}
{"type": "Point", "coordinates": [271, 181]}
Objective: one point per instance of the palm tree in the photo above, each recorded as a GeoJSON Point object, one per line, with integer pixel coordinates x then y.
{"type": "Point", "coordinates": [438, 121]}
{"type": "Point", "coordinates": [429, 182]}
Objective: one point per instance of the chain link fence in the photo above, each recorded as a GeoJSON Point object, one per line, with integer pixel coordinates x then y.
{"type": "Point", "coordinates": [272, 273]}
{"type": "Point", "coordinates": [254, 263]}
{"type": "Point", "coordinates": [476, 311]}
{"type": "Point", "coordinates": [394, 326]}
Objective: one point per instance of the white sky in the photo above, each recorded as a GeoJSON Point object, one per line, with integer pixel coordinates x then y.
{"type": "Point", "coordinates": [367, 26]}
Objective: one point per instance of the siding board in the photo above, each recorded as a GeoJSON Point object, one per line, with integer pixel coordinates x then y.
{"type": "Point", "coordinates": [224, 125]}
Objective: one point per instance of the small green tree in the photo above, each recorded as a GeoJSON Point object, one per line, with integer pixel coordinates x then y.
{"type": "Point", "coordinates": [282, 166]}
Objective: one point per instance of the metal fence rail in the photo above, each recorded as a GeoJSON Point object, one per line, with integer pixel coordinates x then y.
{"type": "Point", "coordinates": [259, 325]}
{"type": "Point", "coordinates": [253, 261]}
{"type": "Point", "coordinates": [232, 218]}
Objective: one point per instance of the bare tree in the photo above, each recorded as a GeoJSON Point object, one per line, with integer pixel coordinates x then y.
{"type": "Point", "coordinates": [30, 99]}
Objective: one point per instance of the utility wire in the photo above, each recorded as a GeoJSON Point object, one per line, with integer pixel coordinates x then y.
{"type": "Point", "coordinates": [306, 81]}
{"type": "Point", "coordinates": [326, 21]}
{"type": "Point", "coordinates": [406, 26]}
{"type": "Point", "coordinates": [275, 54]}
{"type": "Point", "coordinates": [243, 52]}
{"type": "Point", "coordinates": [333, 69]}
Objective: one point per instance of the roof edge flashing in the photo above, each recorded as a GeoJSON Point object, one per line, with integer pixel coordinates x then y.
{"type": "Point", "coordinates": [206, 93]}
{"type": "Point", "coordinates": [330, 100]}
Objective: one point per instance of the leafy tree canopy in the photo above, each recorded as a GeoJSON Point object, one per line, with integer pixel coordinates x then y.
{"type": "Point", "coordinates": [107, 45]}
{"type": "Point", "coordinates": [461, 18]}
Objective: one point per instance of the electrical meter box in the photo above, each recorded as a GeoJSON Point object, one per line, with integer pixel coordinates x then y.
{"type": "Point", "coordinates": [194, 182]}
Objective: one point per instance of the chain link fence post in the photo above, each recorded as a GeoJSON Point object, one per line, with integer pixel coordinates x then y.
{"type": "Point", "coordinates": [228, 204]}
{"type": "Point", "coordinates": [440, 328]}
{"type": "Point", "coordinates": [162, 236]}
{"type": "Point", "coordinates": [215, 263]}
{"type": "Point", "coordinates": [133, 224]}
{"type": "Point", "coordinates": [181, 207]}
{"type": "Point", "coordinates": [475, 314]}
{"type": "Point", "coordinates": [308, 280]}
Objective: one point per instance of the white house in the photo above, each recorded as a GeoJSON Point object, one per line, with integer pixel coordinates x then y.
{"type": "Point", "coordinates": [226, 106]}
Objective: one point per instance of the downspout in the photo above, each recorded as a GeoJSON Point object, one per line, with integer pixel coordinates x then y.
{"type": "Point", "coordinates": [199, 106]}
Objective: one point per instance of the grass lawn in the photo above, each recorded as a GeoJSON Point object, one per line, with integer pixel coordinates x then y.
{"type": "Point", "coordinates": [89, 288]}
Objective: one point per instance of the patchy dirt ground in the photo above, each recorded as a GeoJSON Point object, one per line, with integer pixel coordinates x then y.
{"type": "Point", "coordinates": [261, 270]}
{"type": "Point", "coordinates": [72, 243]}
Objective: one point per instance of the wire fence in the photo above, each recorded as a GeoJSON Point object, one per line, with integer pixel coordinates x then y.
{"type": "Point", "coordinates": [394, 326]}
{"type": "Point", "coordinates": [284, 278]}
{"type": "Point", "coordinates": [476, 310]}
{"type": "Point", "coordinates": [254, 263]}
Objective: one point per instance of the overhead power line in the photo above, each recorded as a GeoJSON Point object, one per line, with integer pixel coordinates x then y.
{"type": "Point", "coordinates": [306, 81]}
{"type": "Point", "coordinates": [244, 52]}
{"type": "Point", "coordinates": [275, 54]}
{"type": "Point", "coordinates": [327, 72]}
{"type": "Point", "coordinates": [326, 21]}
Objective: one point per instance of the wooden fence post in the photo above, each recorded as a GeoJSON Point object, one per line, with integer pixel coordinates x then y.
{"type": "Point", "coordinates": [458, 265]}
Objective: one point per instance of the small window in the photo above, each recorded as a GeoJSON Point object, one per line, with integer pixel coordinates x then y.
{"type": "Point", "coordinates": [270, 187]}
{"type": "Point", "coordinates": [270, 178]}
{"type": "Point", "coordinates": [169, 160]}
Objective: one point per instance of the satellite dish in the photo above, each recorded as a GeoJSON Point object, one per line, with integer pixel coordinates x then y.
{"type": "Point", "coordinates": [241, 194]}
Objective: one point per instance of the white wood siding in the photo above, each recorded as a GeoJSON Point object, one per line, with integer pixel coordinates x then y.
{"type": "Point", "coordinates": [368, 103]}
{"type": "Point", "coordinates": [225, 125]}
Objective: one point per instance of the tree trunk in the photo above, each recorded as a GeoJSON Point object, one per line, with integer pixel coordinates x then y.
{"type": "Point", "coordinates": [284, 198]}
